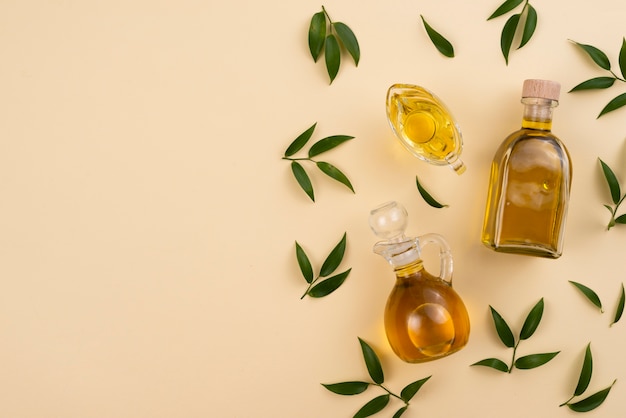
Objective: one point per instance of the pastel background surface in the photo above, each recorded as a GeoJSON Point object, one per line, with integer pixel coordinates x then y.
{"type": "Point", "coordinates": [147, 221]}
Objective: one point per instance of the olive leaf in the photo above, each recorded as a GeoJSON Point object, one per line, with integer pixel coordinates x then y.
{"type": "Point", "coordinates": [593, 401]}
{"type": "Point", "coordinates": [620, 306]}
{"type": "Point", "coordinates": [505, 7]}
{"type": "Point", "coordinates": [317, 288]}
{"type": "Point", "coordinates": [601, 59]}
{"type": "Point", "coordinates": [427, 197]}
{"type": "Point", "coordinates": [503, 330]}
{"type": "Point", "coordinates": [323, 145]}
{"type": "Point", "coordinates": [528, 16]}
{"type": "Point", "coordinates": [441, 43]}
{"type": "Point", "coordinates": [508, 34]}
{"type": "Point", "coordinates": [328, 36]}
{"type": "Point", "coordinates": [530, 25]}
{"type": "Point", "coordinates": [589, 294]}
{"type": "Point", "coordinates": [375, 371]}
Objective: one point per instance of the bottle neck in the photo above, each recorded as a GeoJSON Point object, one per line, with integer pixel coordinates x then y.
{"type": "Point", "coordinates": [538, 113]}
{"type": "Point", "coordinates": [409, 269]}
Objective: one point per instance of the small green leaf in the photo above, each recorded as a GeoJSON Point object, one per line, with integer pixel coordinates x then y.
{"type": "Point", "coordinates": [427, 197]}
{"type": "Point", "coordinates": [614, 104]}
{"type": "Point", "coordinates": [372, 363]}
{"type": "Point", "coordinates": [508, 33]}
{"type": "Point", "coordinates": [596, 55]}
{"type": "Point", "coordinates": [585, 373]}
{"type": "Point", "coordinates": [442, 44]}
{"type": "Point", "coordinates": [304, 263]}
{"type": "Point", "coordinates": [534, 360]}
{"type": "Point", "coordinates": [502, 328]}
{"type": "Point", "coordinates": [622, 58]}
{"type": "Point", "coordinates": [328, 286]}
{"type": "Point", "coordinates": [411, 389]}
{"type": "Point", "coordinates": [328, 143]}
{"type": "Point", "coordinates": [349, 41]}
{"type": "Point", "coordinates": [611, 180]}
{"type": "Point", "coordinates": [317, 34]}
{"type": "Point", "coordinates": [373, 407]}
{"type": "Point", "coordinates": [529, 26]}
{"type": "Point", "coordinates": [494, 363]}
{"type": "Point", "coordinates": [532, 321]}
{"type": "Point", "coordinates": [595, 83]}
{"type": "Point", "coordinates": [592, 402]}
{"type": "Point", "coordinates": [505, 7]}
{"type": "Point", "coordinates": [300, 141]}
{"type": "Point", "coordinates": [334, 173]}
{"type": "Point", "coordinates": [332, 55]}
{"type": "Point", "coordinates": [347, 388]}
{"type": "Point", "coordinates": [400, 411]}
{"type": "Point", "coordinates": [622, 297]}
{"type": "Point", "coordinates": [621, 219]}
{"type": "Point", "coordinates": [334, 258]}
{"type": "Point", "coordinates": [303, 179]}
{"type": "Point", "coordinates": [589, 294]}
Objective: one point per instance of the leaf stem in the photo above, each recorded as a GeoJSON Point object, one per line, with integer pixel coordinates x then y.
{"type": "Point", "coordinates": [310, 286]}
{"type": "Point", "coordinates": [513, 357]}
{"type": "Point", "coordinates": [390, 393]}
{"type": "Point", "coordinates": [617, 77]}
{"type": "Point", "coordinates": [327, 15]}
{"type": "Point", "coordinates": [567, 401]}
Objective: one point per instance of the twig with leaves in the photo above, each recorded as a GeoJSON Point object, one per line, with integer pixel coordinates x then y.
{"type": "Point", "coordinates": [506, 336]}
{"type": "Point", "coordinates": [528, 15]}
{"type": "Point", "coordinates": [593, 297]}
{"type": "Point", "coordinates": [616, 195]}
{"type": "Point", "coordinates": [602, 61]}
{"type": "Point", "coordinates": [375, 370]}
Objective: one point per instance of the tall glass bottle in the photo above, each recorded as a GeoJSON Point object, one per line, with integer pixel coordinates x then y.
{"type": "Point", "coordinates": [530, 181]}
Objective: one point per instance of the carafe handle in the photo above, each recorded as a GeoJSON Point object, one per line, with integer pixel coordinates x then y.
{"type": "Point", "coordinates": [445, 255]}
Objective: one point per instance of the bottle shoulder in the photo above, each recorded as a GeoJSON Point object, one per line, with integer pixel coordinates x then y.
{"type": "Point", "coordinates": [531, 138]}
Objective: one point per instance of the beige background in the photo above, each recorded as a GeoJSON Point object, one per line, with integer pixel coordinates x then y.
{"type": "Point", "coordinates": [147, 221]}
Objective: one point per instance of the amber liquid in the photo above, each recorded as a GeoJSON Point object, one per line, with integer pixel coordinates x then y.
{"type": "Point", "coordinates": [425, 319]}
{"type": "Point", "coordinates": [528, 193]}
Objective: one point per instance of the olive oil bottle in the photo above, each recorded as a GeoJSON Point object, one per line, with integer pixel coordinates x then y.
{"type": "Point", "coordinates": [530, 181]}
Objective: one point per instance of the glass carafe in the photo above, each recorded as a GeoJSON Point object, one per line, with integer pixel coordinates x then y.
{"type": "Point", "coordinates": [425, 319]}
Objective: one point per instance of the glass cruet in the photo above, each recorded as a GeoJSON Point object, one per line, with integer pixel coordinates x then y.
{"type": "Point", "coordinates": [425, 319]}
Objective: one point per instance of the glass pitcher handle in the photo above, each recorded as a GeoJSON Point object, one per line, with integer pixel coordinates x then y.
{"type": "Point", "coordinates": [445, 255]}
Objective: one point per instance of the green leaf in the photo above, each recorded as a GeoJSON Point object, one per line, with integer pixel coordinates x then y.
{"type": "Point", "coordinates": [534, 360]}
{"type": "Point", "coordinates": [400, 411]}
{"type": "Point", "coordinates": [373, 407]}
{"type": "Point", "coordinates": [595, 83]}
{"type": "Point", "coordinates": [505, 7]}
{"type": "Point", "coordinates": [622, 298]}
{"type": "Point", "coordinates": [411, 389]}
{"type": "Point", "coordinates": [332, 55]}
{"type": "Point", "coordinates": [334, 173]}
{"type": "Point", "coordinates": [596, 55]}
{"type": "Point", "coordinates": [300, 141]}
{"type": "Point", "coordinates": [532, 321]}
{"type": "Point", "coordinates": [427, 197]}
{"type": "Point", "coordinates": [502, 328]}
{"type": "Point", "coordinates": [349, 41]}
{"type": "Point", "coordinates": [372, 363]}
{"type": "Point", "coordinates": [494, 363]}
{"type": "Point", "coordinates": [334, 258]}
{"type": "Point", "coordinates": [303, 179]}
{"type": "Point", "coordinates": [328, 286]}
{"type": "Point", "coordinates": [621, 219]}
{"type": "Point", "coordinates": [317, 34]}
{"type": "Point", "coordinates": [328, 143]}
{"type": "Point", "coordinates": [304, 263]}
{"type": "Point", "coordinates": [611, 180]}
{"type": "Point", "coordinates": [585, 372]}
{"type": "Point", "coordinates": [589, 294]}
{"type": "Point", "coordinates": [622, 58]}
{"type": "Point", "coordinates": [347, 388]}
{"type": "Point", "coordinates": [508, 33]}
{"type": "Point", "coordinates": [592, 402]}
{"type": "Point", "coordinates": [614, 104]}
{"type": "Point", "coordinates": [442, 44]}
{"type": "Point", "coordinates": [529, 26]}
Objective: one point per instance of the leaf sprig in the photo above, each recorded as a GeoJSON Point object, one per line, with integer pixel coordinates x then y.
{"type": "Point", "coordinates": [593, 297]}
{"type": "Point", "coordinates": [506, 336]}
{"type": "Point", "coordinates": [441, 43]}
{"type": "Point", "coordinates": [602, 61]}
{"type": "Point", "coordinates": [616, 195]}
{"type": "Point", "coordinates": [528, 16]}
{"type": "Point", "coordinates": [593, 401]}
{"type": "Point", "coordinates": [332, 262]}
{"type": "Point", "coordinates": [321, 146]}
{"type": "Point", "coordinates": [427, 197]}
{"type": "Point", "coordinates": [329, 36]}
{"type": "Point", "coordinates": [375, 371]}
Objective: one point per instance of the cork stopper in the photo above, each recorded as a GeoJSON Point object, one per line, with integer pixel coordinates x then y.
{"type": "Point", "coordinates": [544, 89]}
